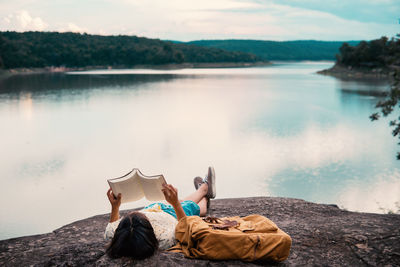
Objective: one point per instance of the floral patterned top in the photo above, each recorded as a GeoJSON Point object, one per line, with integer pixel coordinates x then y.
{"type": "Point", "coordinates": [163, 225]}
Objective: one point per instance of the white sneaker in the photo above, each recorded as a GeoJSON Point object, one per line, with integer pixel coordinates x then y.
{"type": "Point", "coordinates": [198, 181]}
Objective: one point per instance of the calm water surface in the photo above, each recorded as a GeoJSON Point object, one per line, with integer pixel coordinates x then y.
{"type": "Point", "coordinates": [280, 130]}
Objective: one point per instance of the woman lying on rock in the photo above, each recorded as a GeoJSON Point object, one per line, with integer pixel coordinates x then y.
{"type": "Point", "coordinates": [141, 233]}
{"type": "Point", "coordinates": [178, 228]}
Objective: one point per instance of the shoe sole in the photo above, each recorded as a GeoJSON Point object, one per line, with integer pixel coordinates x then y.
{"type": "Point", "coordinates": [213, 189]}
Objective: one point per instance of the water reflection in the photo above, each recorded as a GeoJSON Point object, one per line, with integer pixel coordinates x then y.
{"type": "Point", "coordinates": [63, 84]}
{"type": "Point", "coordinates": [280, 132]}
{"type": "Point", "coordinates": [366, 91]}
{"type": "Point", "coordinates": [25, 105]}
{"type": "Point", "coordinates": [381, 195]}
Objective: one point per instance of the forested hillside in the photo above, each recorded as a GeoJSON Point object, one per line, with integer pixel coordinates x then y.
{"type": "Point", "coordinates": [274, 50]}
{"type": "Point", "coordinates": [43, 49]}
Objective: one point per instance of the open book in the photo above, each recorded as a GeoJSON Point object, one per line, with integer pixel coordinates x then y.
{"type": "Point", "coordinates": [135, 185]}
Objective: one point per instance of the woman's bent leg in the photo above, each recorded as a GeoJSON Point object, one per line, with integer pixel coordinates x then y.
{"type": "Point", "coordinates": [198, 195]}
{"type": "Point", "coordinates": [203, 206]}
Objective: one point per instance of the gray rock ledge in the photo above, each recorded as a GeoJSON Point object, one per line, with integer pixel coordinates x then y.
{"type": "Point", "coordinates": [349, 73]}
{"type": "Point", "coordinates": [322, 235]}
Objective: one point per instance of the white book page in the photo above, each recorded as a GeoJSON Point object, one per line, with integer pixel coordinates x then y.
{"type": "Point", "coordinates": [129, 186]}
{"type": "Point", "coordinates": [152, 187]}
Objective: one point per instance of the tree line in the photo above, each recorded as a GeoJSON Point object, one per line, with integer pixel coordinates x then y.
{"type": "Point", "coordinates": [379, 53]}
{"type": "Point", "coordinates": [44, 49]}
{"type": "Point", "coordinates": [280, 50]}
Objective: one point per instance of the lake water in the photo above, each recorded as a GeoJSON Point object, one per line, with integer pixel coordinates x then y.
{"type": "Point", "coordinates": [280, 130]}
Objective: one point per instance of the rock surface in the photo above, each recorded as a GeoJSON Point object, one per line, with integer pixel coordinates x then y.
{"type": "Point", "coordinates": [322, 235]}
{"type": "Point", "coordinates": [354, 73]}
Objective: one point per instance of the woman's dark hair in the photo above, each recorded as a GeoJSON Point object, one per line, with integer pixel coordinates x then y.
{"type": "Point", "coordinates": [134, 237]}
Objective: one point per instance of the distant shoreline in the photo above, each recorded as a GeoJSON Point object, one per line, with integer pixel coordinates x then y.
{"type": "Point", "coordinates": [8, 72]}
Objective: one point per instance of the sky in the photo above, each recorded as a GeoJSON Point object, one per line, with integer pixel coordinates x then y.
{"type": "Point", "coordinates": [186, 20]}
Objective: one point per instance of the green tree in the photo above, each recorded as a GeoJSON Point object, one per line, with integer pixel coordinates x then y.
{"type": "Point", "coordinates": [391, 103]}
{"type": "Point", "coordinates": [390, 56]}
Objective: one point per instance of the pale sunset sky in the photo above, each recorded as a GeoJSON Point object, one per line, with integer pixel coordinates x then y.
{"type": "Point", "coordinates": [186, 20]}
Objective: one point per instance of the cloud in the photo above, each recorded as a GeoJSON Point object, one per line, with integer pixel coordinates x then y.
{"type": "Point", "coordinates": [184, 5]}
{"type": "Point", "coordinates": [22, 21]}
{"type": "Point", "coordinates": [75, 28]}
{"type": "Point", "coordinates": [72, 27]}
{"type": "Point", "coordinates": [379, 11]}
{"type": "Point", "coordinates": [381, 195]}
{"type": "Point", "coordinates": [187, 20]}
{"type": "Point", "coordinates": [224, 19]}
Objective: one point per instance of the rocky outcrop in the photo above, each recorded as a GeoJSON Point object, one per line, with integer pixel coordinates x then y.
{"type": "Point", "coordinates": [348, 72]}
{"type": "Point", "coordinates": [322, 235]}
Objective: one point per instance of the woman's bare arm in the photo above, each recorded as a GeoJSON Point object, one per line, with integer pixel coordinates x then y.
{"type": "Point", "coordinates": [171, 196]}
{"type": "Point", "coordinates": [115, 203]}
